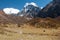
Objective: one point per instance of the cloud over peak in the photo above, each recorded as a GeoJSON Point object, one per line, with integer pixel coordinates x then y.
{"type": "Point", "coordinates": [11, 10]}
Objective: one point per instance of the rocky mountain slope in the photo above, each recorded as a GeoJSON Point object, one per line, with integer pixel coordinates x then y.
{"type": "Point", "coordinates": [30, 10]}
{"type": "Point", "coordinates": [51, 10]}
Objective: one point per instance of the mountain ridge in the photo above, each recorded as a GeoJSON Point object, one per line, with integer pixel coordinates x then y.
{"type": "Point", "coordinates": [51, 10]}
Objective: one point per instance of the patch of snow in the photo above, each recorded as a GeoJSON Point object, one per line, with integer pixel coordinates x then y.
{"type": "Point", "coordinates": [26, 10]}
{"type": "Point", "coordinates": [28, 18]}
{"type": "Point", "coordinates": [21, 15]}
{"type": "Point", "coordinates": [32, 3]}
{"type": "Point", "coordinates": [41, 7]}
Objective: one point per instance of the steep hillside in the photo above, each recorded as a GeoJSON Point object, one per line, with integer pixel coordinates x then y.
{"type": "Point", "coordinates": [4, 18]}
{"type": "Point", "coordinates": [44, 23]}
{"type": "Point", "coordinates": [51, 10]}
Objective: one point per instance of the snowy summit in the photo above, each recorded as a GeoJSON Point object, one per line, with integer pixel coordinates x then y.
{"type": "Point", "coordinates": [32, 3]}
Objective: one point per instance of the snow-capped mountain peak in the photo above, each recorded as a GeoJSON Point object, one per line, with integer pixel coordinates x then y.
{"type": "Point", "coordinates": [30, 10]}
{"type": "Point", "coordinates": [32, 3]}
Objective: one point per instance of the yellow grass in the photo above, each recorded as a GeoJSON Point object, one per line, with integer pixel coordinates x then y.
{"type": "Point", "coordinates": [26, 32]}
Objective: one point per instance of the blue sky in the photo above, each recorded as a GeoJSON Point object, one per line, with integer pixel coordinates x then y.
{"type": "Point", "coordinates": [19, 4]}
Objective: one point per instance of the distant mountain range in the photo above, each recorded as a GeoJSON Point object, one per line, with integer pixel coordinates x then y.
{"type": "Point", "coordinates": [31, 10]}
{"type": "Point", "coordinates": [50, 10]}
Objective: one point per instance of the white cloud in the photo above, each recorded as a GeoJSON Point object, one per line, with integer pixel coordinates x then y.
{"type": "Point", "coordinates": [32, 3]}
{"type": "Point", "coordinates": [11, 10]}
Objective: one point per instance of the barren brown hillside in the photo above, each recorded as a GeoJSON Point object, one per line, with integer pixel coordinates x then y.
{"type": "Point", "coordinates": [4, 18]}
{"type": "Point", "coordinates": [34, 29]}
{"type": "Point", "coordinates": [44, 22]}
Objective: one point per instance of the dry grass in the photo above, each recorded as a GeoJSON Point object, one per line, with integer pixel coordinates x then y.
{"type": "Point", "coordinates": [27, 32]}
{"type": "Point", "coordinates": [44, 23]}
